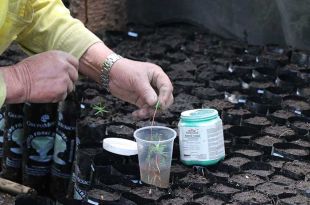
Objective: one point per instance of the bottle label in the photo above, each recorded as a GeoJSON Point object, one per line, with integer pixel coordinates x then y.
{"type": "Point", "coordinates": [202, 143]}
{"type": "Point", "coordinates": [79, 194]}
{"type": "Point", "coordinates": [2, 124]}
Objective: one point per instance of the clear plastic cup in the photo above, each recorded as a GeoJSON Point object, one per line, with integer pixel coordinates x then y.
{"type": "Point", "coordinates": [155, 145]}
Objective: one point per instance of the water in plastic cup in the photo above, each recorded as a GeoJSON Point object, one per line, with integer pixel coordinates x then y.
{"type": "Point", "coordinates": [155, 145]}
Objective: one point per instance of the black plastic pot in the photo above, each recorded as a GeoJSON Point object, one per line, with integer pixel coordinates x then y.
{"type": "Point", "coordinates": [247, 151]}
{"type": "Point", "coordinates": [258, 122]}
{"type": "Point", "coordinates": [221, 83]}
{"type": "Point", "coordinates": [222, 191]}
{"type": "Point", "coordinates": [280, 117]}
{"type": "Point", "coordinates": [258, 168]}
{"type": "Point", "coordinates": [242, 134]}
{"type": "Point", "coordinates": [281, 132]}
{"type": "Point", "coordinates": [91, 130]}
{"type": "Point", "coordinates": [245, 181]}
{"type": "Point", "coordinates": [273, 60]}
{"type": "Point", "coordinates": [206, 93]}
{"type": "Point", "coordinates": [251, 197]}
{"type": "Point", "coordinates": [235, 116]}
{"type": "Point", "coordinates": [295, 104]}
{"type": "Point", "coordinates": [290, 151]}
{"type": "Point", "coordinates": [300, 58]}
{"type": "Point", "coordinates": [236, 97]}
{"type": "Point", "coordinates": [233, 163]}
{"type": "Point", "coordinates": [254, 87]}
{"type": "Point", "coordinates": [240, 69]}
{"type": "Point", "coordinates": [264, 73]}
{"type": "Point", "coordinates": [261, 105]}
{"type": "Point", "coordinates": [82, 170]}
{"type": "Point", "coordinates": [264, 142]}
{"type": "Point", "coordinates": [194, 181]}
{"type": "Point", "coordinates": [303, 92]}
{"type": "Point", "coordinates": [300, 125]}
{"type": "Point", "coordinates": [296, 169]}
{"type": "Point", "coordinates": [207, 199]}
{"type": "Point", "coordinates": [276, 94]}
{"type": "Point", "coordinates": [289, 79]}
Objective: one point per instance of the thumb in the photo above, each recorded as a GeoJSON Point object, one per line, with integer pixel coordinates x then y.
{"type": "Point", "coordinates": [147, 95]}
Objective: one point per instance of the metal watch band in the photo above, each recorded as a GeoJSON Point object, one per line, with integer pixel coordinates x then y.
{"type": "Point", "coordinates": [106, 67]}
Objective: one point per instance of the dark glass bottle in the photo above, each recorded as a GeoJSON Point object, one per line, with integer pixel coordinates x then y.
{"type": "Point", "coordinates": [13, 143]}
{"type": "Point", "coordinates": [64, 147]}
{"type": "Point", "coordinates": [2, 126]}
{"type": "Point", "coordinates": [39, 130]}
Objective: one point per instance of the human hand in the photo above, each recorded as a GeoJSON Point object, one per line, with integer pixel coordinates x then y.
{"type": "Point", "coordinates": [141, 84]}
{"type": "Point", "coordinates": [42, 78]}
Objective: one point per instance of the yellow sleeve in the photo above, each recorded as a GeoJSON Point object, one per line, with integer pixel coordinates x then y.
{"type": "Point", "coordinates": [53, 28]}
{"type": "Point", "coordinates": [2, 90]}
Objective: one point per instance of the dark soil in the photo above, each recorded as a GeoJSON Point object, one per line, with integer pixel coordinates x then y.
{"type": "Point", "coordinates": [238, 112]}
{"type": "Point", "coordinates": [145, 192]}
{"type": "Point", "coordinates": [259, 172]}
{"type": "Point", "coordinates": [227, 82]}
{"type": "Point", "coordinates": [298, 200]}
{"type": "Point", "coordinates": [249, 152]}
{"type": "Point", "coordinates": [217, 104]}
{"type": "Point", "coordinates": [267, 140]}
{"type": "Point", "coordinates": [173, 201]}
{"type": "Point", "coordinates": [194, 178]}
{"type": "Point", "coordinates": [251, 197]}
{"type": "Point", "coordinates": [280, 179]}
{"type": "Point", "coordinates": [209, 200]}
{"type": "Point", "coordinates": [103, 195]}
{"type": "Point", "coordinates": [207, 93]}
{"type": "Point", "coordinates": [279, 131]}
{"type": "Point", "coordinates": [283, 114]}
{"type": "Point", "coordinates": [236, 161]}
{"type": "Point", "coordinates": [297, 104]}
{"type": "Point", "coordinates": [302, 125]}
{"type": "Point", "coordinates": [246, 180]}
{"type": "Point", "coordinates": [223, 189]}
{"type": "Point", "coordinates": [272, 189]}
{"type": "Point", "coordinates": [296, 152]}
{"type": "Point", "coordinates": [278, 164]}
{"type": "Point", "coordinates": [258, 121]}
{"type": "Point", "coordinates": [184, 193]}
{"type": "Point", "coordinates": [120, 131]}
{"type": "Point", "coordinates": [303, 186]}
{"type": "Point", "coordinates": [260, 85]}
{"type": "Point", "coordinates": [302, 143]}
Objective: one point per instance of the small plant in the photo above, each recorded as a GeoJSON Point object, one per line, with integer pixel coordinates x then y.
{"type": "Point", "coordinates": [156, 156]}
{"type": "Point", "coordinates": [99, 108]}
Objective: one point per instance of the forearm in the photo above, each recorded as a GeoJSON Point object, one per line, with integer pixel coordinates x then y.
{"type": "Point", "coordinates": [92, 59]}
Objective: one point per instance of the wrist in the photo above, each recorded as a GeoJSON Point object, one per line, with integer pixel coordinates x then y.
{"type": "Point", "coordinates": [106, 68]}
{"type": "Point", "coordinates": [15, 92]}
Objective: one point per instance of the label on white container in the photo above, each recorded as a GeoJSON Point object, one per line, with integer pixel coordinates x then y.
{"type": "Point", "coordinates": [202, 143]}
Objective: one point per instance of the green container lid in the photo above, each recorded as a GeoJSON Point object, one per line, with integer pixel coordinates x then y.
{"type": "Point", "coordinates": [199, 114]}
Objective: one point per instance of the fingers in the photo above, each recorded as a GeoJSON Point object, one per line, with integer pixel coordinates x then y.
{"type": "Point", "coordinates": [73, 73]}
{"type": "Point", "coordinates": [73, 61]}
{"type": "Point", "coordinates": [143, 113]}
{"type": "Point", "coordinates": [70, 86]}
{"type": "Point", "coordinates": [161, 81]}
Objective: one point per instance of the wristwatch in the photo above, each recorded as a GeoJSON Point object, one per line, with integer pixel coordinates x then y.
{"type": "Point", "coordinates": [106, 67]}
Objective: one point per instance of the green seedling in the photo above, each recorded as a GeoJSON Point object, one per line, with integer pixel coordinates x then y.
{"type": "Point", "coordinates": [100, 109]}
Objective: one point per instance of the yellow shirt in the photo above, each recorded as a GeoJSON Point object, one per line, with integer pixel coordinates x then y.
{"type": "Point", "coordinates": [41, 25]}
